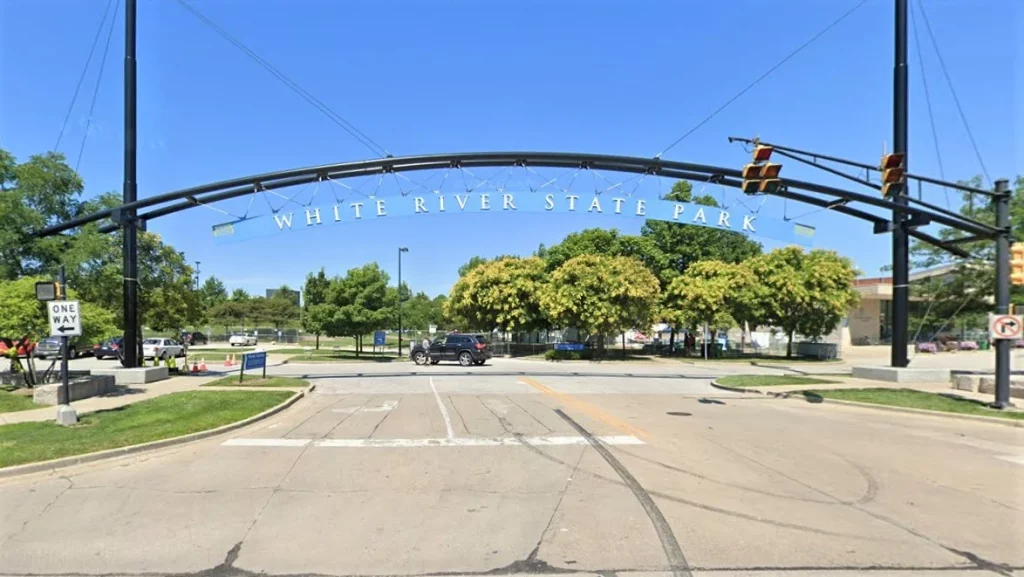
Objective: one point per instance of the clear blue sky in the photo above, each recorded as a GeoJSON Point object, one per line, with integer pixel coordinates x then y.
{"type": "Point", "coordinates": [418, 77]}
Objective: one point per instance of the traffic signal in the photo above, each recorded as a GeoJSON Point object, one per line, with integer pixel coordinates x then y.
{"type": "Point", "coordinates": [1017, 264]}
{"type": "Point", "coordinates": [761, 175]}
{"type": "Point", "coordinates": [894, 174]}
{"type": "Point", "coordinates": [47, 291]}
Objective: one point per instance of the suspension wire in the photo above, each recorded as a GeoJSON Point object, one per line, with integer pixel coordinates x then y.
{"type": "Point", "coordinates": [96, 90]}
{"type": "Point", "coordinates": [928, 105]}
{"type": "Point", "coordinates": [952, 90]}
{"type": "Point", "coordinates": [85, 69]}
{"type": "Point", "coordinates": [762, 77]}
{"type": "Point", "coordinates": [323, 108]}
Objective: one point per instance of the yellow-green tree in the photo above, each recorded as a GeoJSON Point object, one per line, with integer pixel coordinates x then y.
{"type": "Point", "coordinates": [500, 294]}
{"type": "Point", "coordinates": [711, 293]}
{"type": "Point", "coordinates": [806, 293]}
{"type": "Point", "coordinates": [601, 295]}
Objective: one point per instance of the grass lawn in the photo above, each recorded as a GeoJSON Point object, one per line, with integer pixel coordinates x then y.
{"type": "Point", "coordinates": [11, 402]}
{"type": "Point", "coordinates": [914, 400]}
{"type": "Point", "coordinates": [257, 381]}
{"type": "Point", "coordinates": [236, 350]}
{"type": "Point", "coordinates": [770, 380]}
{"type": "Point", "coordinates": [160, 418]}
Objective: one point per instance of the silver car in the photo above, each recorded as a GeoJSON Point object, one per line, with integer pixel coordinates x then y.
{"type": "Point", "coordinates": [50, 348]}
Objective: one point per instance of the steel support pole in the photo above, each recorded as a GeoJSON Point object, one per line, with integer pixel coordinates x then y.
{"type": "Point", "coordinates": [399, 302]}
{"type": "Point", "coordinates": [900, 238]}
{"type": "Point", "coordinates": [1002, 202]}
{"type": "Point", "coordinates": [64, 398]}
{"type": "Point", "coordinates": [130, 253]}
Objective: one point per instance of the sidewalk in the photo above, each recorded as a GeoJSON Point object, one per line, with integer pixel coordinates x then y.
{"type": "Point", "coordinates": [124, 396]}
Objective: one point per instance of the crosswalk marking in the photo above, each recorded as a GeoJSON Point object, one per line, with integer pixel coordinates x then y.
{"type": "Point", "coordinates": [438, 442]}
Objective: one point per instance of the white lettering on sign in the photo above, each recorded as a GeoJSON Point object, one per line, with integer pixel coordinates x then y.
{"type": "Point", "coordinates": [748, 222]}
{"type": "Point", "coordinates": [572, 201]}
{"type": "Point", "coordinates": [440, 203]}
{"type": "Point", "coordinates": [485, 202]}
{"type": "Point", "coordinates": [420, 205]}
{"type": "Point", "coordinates": [65, 320]}
{"type": "Point", "coordinates": [618, 204]}
{"type": "Point", "coordinates": [723, 219]}
{"type": "Point", "coordinates": [700, 216]}
{"type": "Point", "coordinates": [356, 206]}
{"type": "Point", "coordinates": [507, 202]}
{"type": "Point", "coordinates": [641, 207]}
{"type": "Point", "coordinates": [677, 210]}
{"type": "Point", "coordinates": [549, 201]}
{"type": "Point", "coordinates": [462, 201]}
{"type": "Point", "coordinates": [312, 215]}
{"type": "Point", "coordinates": [595, 205]}
{"type": "Point", "coordinates": [381, 209]}
{"type": "Point", "coordinates": [284, 220]}
{"type": "Point", "coordinates": [337, 216]}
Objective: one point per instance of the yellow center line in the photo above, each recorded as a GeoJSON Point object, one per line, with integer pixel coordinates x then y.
{"type": "Point", "coordinates": [587, 409]}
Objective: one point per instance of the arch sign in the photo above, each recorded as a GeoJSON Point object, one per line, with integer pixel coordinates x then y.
{"type": "Point", "coordinates": [593, 205]}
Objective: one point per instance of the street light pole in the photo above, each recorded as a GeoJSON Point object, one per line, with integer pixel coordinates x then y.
{"type": "Point", "coordinates": [401, 249]}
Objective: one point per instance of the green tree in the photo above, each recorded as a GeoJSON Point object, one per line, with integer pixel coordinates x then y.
{"type": "Point", "coordinates": [212, 292]}
{"type": "Point", "coordinates": [601, 295]}
{"type": "Point", "coordinates": [22, 315]}
{"type": "Point", "coordinates": [803, 292]}
{"type": "Point", "coordinates": [705, 294]}
{"type": "Point", "coordinates": [239, 295]}
{"type": "Point", "coordinates": [501, 294]}
{"type": "Point", "coordinates": [281, 310]}
{"type": "Point", "coordinates": [361, 304]}
{"type": "Point", "coordinates": [315, 315]}
{"type": "Point", "coordinates": [962, 296]}
{"type": "Point", "coordinates": [228, 314]}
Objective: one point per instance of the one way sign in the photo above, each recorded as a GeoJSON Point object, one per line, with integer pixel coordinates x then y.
{"type": "Point", "coordinates": [1006, 326]}
{"type": "Point", "coordinates": [65, 320]}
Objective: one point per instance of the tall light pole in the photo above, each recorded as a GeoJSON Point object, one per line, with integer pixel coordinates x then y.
{"type": "Point", "coordinates": [900, 239]}
{"type": "Point", "coordinates": [130, 249]}
{"type": "Point", "coordinates": [401, 249]}
{"type": "Point", "coordinates": [197, 275]}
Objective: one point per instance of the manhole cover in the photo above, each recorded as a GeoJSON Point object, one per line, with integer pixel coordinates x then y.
{"type": "Point", "coordinates": [679, 414]}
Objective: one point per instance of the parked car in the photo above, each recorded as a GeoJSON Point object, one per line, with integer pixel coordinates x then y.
{"type": "Point", "coordinates": [162, 349]}
{"type": "Point", "coordinates": [242, 340]}
{"type": "Point", "coordinates": [108, 348]}
{"type": "Point", "coordinates": [192, 339]}
{"type": "Point", "coordinates": [466, 349]}
{"type": "Point", "coordinates": [51, 347]}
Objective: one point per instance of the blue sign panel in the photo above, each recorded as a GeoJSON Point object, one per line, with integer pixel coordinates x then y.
{"type": "Point", "coordinates": [568, 346]}
{"type": "Point", "coordinates": [379, 338]}
{"type": "Point", "coordinates": [591, 205]}
{"type": "Point", "coordinates": [257, 360]}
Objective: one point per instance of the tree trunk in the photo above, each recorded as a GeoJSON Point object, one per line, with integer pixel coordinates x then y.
{"type": "Point", "coordinates": [359, 345]}
{"type": "Point", "coordinates": [318, 341]}
{"type": "Point", "coordinates": [671, 340]}
{"type": "Point", "coordinates": [623, 345]}
{"type": "Point", "coordinates": [789, 346]}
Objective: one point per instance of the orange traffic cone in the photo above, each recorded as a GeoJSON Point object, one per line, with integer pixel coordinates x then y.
{"type": "Point", "coordinates": [227, 360]}
{"type": "Point", "coordinates": [202, 365]}
{"type": "Point", "coordinates": [195, 368]}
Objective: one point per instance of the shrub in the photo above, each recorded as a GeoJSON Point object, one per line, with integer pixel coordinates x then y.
{"type": "Point", "coordinates": [927, 348]}
{"type": "Point", "coordinates": [968, 346]}
{"type": "Point", "coordinates": [553, 355]}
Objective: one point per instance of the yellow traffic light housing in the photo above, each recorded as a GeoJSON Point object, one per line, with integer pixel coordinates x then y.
{"type": "Point", "coordinates": [1017, 264]}
{"type": "Point", "coordinates": [894, 173]}
{"type": "Point", "coordinates": [47, 291]}
{"type": "Point", "coordinates": [759, 175]}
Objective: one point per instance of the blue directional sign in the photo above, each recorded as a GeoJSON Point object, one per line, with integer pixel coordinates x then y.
{"type": "Point", "coordinates": [379, 338]}
{"type": "Point", "coordinates": [256, 360]}
{"type": "Point", "coordinates": [568, 346]}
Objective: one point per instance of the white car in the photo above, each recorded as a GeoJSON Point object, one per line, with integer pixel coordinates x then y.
{"type": "Point", "coordinates": [162, 349]}
{"type": "Point", "coordinates": [242, 340]}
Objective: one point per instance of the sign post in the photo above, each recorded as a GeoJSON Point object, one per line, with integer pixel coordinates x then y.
{"type": "Point", "coordinates": [253, 360]}
{"type": "Point", "coordinates": [65, 321]}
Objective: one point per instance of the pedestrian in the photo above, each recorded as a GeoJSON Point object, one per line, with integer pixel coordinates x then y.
{"type": "Point", "coordinates": [426, 348]}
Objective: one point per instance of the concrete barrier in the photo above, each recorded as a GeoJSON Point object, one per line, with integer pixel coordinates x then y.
{"type": "Point", "coordinates": [81, 388]}
{"type": "Point", "coordinates": [137, 376]}
{"type": "Point", "coordinates": [902, 375]}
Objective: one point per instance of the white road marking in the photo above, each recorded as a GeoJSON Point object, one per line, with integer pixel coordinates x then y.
{"type": "Point", "coordinates": [1018, 459]}
{"type": "Point", "coordinates": [266, 442]}
{"type": "Point", "coordinates": [345, 410]}
{"type": "Point", "coordinates": [417, 443]}
{"type": "Point", "coordinates": [386, 406]}
{"type": "Point", "coordinates": [444, 410]}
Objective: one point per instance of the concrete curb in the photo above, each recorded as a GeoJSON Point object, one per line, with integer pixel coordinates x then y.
{"type": "Point", "coordinates": [715, 383]}
{"type": "Point", "coordinates": [909, 410]}
{"type": "Point", "coordinates": [65, 462]}
{"type": "Point", "coordinates": [977, 418]}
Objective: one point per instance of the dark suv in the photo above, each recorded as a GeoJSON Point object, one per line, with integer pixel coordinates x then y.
{"type": "Point", "coordinates": [466, 349]}
{"type": "Point", "coordinates": [193, 339]}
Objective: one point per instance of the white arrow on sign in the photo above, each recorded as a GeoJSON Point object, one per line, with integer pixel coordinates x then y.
{"type": "Point", "coordinates": [65, 319]}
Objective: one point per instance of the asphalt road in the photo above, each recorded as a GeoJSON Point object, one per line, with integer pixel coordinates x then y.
{"type": "Point", "coordinates": [445, 473]}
